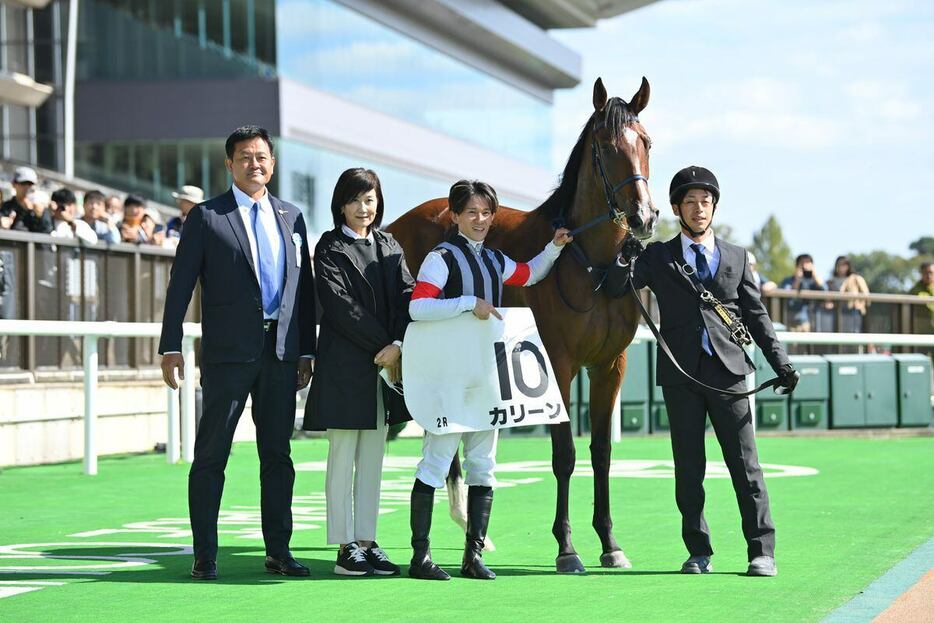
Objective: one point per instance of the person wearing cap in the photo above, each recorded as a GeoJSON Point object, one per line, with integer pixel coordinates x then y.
{"type": "Point", "coordinates": [186, 198]}
{"type": "Point", "coordinates": [28, 215]}
{"type": "Point", "coordinates": [676, 271]}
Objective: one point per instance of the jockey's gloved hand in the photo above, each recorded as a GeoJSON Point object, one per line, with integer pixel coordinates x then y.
{"type": "Point", "coordinates": [787, 378]}
{"type": "Point", "coordinates": [632, 248]}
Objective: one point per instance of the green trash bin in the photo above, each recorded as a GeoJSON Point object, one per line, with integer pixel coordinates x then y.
{"type": "Point", "coordinates": [862, 391]}
{"type": "Point", "coordinates": [914, 389]}
{"type": "Point", "coordinates": [634, 395]}
{"type": "Point", "coordinates": [809, 404]}
{"type": "Point", "coordinates": [771, 408]}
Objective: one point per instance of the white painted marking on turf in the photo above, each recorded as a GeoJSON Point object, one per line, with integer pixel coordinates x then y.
{"type": "Point", "coordinates": [41, 551]}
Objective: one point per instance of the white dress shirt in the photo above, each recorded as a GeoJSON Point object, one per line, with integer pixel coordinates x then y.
{"type": "Point", "coordinates": [268, 221]}
{"type": "Point", "coordinates": [710, 249]}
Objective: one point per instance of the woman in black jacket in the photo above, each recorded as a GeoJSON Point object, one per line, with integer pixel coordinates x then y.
{"type": "Point", "coordinates": [364, 288]}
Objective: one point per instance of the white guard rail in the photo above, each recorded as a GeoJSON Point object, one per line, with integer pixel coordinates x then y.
{"type": "Point", "coordinates": [91, 332]}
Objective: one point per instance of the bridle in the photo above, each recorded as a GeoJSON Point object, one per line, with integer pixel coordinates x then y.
{"type": "Point", "coordinates": [614, 213]}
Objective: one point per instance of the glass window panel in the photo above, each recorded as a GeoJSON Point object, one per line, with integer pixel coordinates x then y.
{"type": "Point", "coordinates": [168, 166]}
{"type": "Point", "coordinates": [214, 22]}
{"type": "Point", "coordinates": [239, 26]}
{"type": "Point", "coordinates": [331, 47]}
{"type": "Point", "coordinates": [265, 12]}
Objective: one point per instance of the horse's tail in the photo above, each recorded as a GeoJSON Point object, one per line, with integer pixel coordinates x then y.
{"type": "Point", "coordinates": [457, 499]}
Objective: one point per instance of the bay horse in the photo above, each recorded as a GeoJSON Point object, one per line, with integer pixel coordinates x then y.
{"type": "Point", "coordinates": [604, 186]}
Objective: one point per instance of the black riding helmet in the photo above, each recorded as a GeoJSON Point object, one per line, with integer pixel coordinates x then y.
{"type": "Point", "coordinates": [693, 177]}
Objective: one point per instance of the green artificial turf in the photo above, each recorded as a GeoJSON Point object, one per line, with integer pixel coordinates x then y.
{"type": "Point", "coordinates": [869, 506]}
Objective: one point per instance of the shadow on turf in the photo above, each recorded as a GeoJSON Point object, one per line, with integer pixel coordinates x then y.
{"type": "Point", "coordinates": [244, 566]}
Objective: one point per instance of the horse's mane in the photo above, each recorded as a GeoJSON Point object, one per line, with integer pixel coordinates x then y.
{"type": "Point", "coordinates": [617, 116]}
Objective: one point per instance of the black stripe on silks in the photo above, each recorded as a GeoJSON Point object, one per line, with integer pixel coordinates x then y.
{"type": "Point", "coordinates": [454, 287]}
{"type": "Point", "coordinates": [495, 276]}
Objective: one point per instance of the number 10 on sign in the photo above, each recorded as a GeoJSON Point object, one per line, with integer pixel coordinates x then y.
{"type": "Point", "coordinates": [503, 359]}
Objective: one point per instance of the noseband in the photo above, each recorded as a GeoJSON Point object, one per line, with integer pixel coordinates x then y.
{"type": "Point", "coordinates": [609, 189]}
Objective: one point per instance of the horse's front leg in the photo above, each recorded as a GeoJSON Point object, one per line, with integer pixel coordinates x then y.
{"type": "Point", "coordinates": [563, 457]}
{"type": "Point", "coordinates": [605, 382]}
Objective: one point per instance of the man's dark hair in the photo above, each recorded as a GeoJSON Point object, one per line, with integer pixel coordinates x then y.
{"type": "Point", "coordinates": [94, 195]}
{"type": "Point", "coordinates": [133, 200]}
{"type": "Point", "coordinates": [63, 197]}
{"type": "Point", "coordinates": [351, 183]}
{"type": "Point", "coordinates": [804, 257]}
{"type": "Point", "coordinates": [462, 191]}
{"type": "Point", "coordinates": [246, 133]}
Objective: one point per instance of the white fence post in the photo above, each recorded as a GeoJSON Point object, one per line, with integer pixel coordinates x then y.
{"type": "Point", "coordinates": [90, 405]}
{"type": "Point", "coordinates": [188, 400]}
{"type": "Point", "coordinates": [172, 443]}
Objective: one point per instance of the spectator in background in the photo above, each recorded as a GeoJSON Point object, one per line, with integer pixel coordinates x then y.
{"type": "Point", "coordinates": [923, 316]}
{"type": "Point", "coordinates": [131, 229]}
{"type": "Point", "coordinates": [28, 215]}
{"type": "Point", "coordinates": [95, 215]}
{"type": "Point", "coordinates": [186, 198]}
{"type": "Point", "coordinates": [155, 233]}
{"type": "Point", "coordinates": [800, 311]}
{"type": "Point", "coordinates": [845, 280]}
{"type": "Point", "coordinates": [114, 208]}
{"type": "Point", "coordinates": [64, 209]}
{"type": "Point", "coordinates": [764, 285]}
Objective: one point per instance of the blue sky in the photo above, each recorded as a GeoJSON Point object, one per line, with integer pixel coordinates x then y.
{"type": "Point", "coordinates": [818, 111]}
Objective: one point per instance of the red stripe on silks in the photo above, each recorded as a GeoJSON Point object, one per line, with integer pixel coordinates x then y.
{"type": "Point", "coordinates": [520, 277]}
{"type": "Point", "coordinates": [425, 290]}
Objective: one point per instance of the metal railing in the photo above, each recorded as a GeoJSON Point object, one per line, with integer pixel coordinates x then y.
{"type": "Point", "coordinates": [181, 446]}
{"type": "Point", "coordinates": [47, 278]}
{"type": "Point", "coordinates": [90, 332]}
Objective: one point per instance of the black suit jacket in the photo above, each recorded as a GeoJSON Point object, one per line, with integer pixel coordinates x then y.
{"type": "Point", "coordinates": [215, 249]}
{"type": "Point", "coordinates": [683, 317]}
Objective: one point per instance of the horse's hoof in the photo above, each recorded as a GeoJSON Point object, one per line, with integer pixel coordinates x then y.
{"type": "Point", "coordinates": [569, 563]}
{"type": "Point", "coordinates": [615, 560]}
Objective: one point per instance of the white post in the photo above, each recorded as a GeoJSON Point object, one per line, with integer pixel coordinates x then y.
{"type": "Point", "coordinates": [71, 52]}
{"type": "Point", "coordinates": [751, 384]}
{"type": "Point", "coordinates": [172, 443]}
{"type": "Point", "coordinates": [90, 405]}
{"type": "Point", "coordinates": [188, 400]}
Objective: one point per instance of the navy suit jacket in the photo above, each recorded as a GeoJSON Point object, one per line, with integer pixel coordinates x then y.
{"type": "Point", "coordinates": [683, 317]}
{"type": "Point", "coordinates": [214, 249]}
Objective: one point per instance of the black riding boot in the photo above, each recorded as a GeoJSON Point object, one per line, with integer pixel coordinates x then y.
{"type": "Point", "coordinates": [479, 503]}
{"type": "Point", "coordinates": [422, 567]}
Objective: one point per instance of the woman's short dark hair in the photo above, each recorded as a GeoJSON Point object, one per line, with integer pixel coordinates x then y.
{"type": "Point", "coordinates": [804, 257]}
{"type": "Point", "coordinates": [845, 260]}
{"type": "Point", "coordinates": [351, 183]}
{"type": "Point", "coordinates": [94, 195]}
{"type": "Point", "coordinates": [133, 200]}
{"type": "Point", "coordinates": [63, 197]}
{"type": "Point", "coordinates": [462, 191]}
{"type": "Point", "coordinates": [246, 133]}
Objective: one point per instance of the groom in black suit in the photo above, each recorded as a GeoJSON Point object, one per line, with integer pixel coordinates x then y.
{"type": "Point", "coordinates": [250, 252]}
{"type": "Point", "coordinates": [677, 271]}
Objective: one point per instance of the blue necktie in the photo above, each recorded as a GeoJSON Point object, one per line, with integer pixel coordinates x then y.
{"type": "Point", "coordinates": [703, 273]}
{"type": "Point", "coordinates": [268, 282]}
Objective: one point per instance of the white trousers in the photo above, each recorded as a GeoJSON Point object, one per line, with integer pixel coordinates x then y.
{"type": "Point", "coordinates": [355, 471]}
{"type": "Point", "coordinates": [479, 457]}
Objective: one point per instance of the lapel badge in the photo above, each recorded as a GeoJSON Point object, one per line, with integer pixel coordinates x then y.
{"type": "Point", "coordinates": [297, 240]}
{"type": "Point", "coordinates": [282, 212]}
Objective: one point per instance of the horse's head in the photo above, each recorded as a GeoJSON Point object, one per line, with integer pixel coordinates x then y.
{"type": "Point", "coordinates": [620, 153]}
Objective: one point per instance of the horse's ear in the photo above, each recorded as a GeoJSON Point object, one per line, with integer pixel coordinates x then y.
{"type": "Point", "coordinates": [641, 99]}
{"type": "Point", "coordinates": [599, 95]}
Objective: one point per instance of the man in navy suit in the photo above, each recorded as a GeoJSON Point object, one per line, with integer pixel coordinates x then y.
{"type": "Point", "coordinates": [676, 271]}
{"type": "Point", "coordinates": [250, 252]}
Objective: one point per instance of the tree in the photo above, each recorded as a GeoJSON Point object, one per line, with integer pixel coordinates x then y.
{"type": "Point", "coordinates": [774, 257]}
{"type": "Point", "coordinates": [883, 271]}
{"type": "Point", "coordinates": [923, 245]}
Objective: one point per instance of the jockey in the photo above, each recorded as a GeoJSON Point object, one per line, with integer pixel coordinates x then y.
{"type": "Point", "coordinates": [462, 275]}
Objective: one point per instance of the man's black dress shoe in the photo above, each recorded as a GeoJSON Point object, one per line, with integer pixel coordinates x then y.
{"type": "Point", "coordinates": [204, 570]}
{"type": "Point", "coordinates": [286, 566]}
{"type": "Point", "coordinates": [697, 564]}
